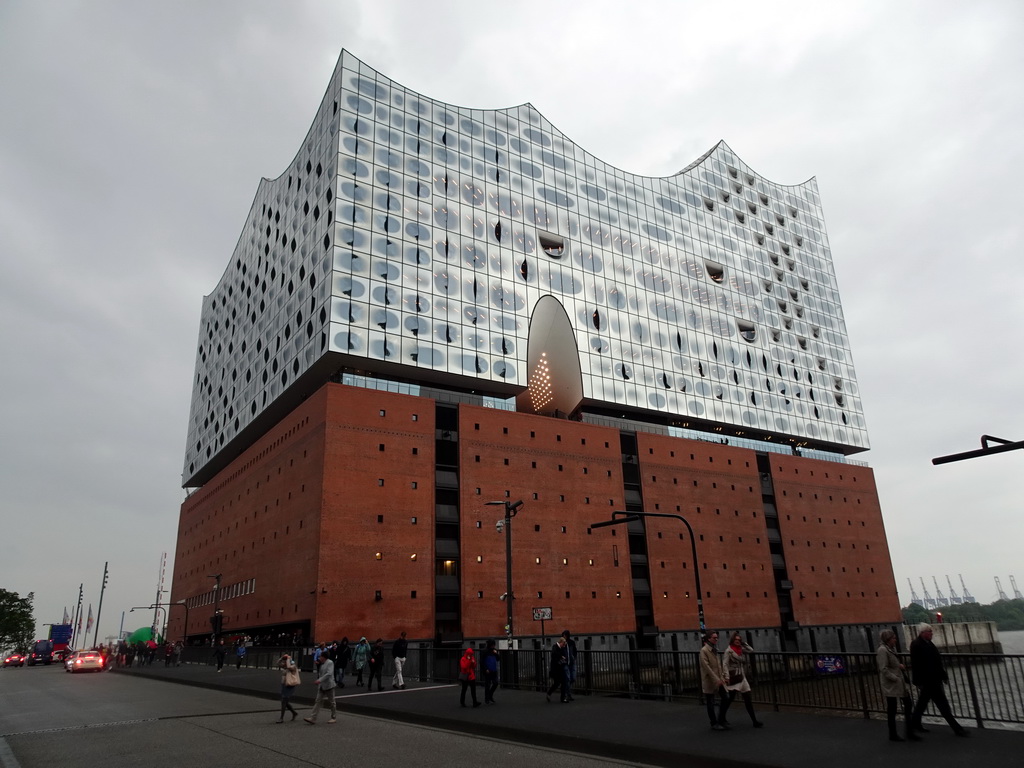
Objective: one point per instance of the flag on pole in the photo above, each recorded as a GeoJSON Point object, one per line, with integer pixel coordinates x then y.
{"type": "Point", "coordinates": [88, 624]}
{"type": "Point", "coordinates": [67, 620]}
{"type": "Point", "coordinates": [79, 627]}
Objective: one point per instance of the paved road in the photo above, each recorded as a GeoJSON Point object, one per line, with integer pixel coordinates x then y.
{"type": "Point", "coordinates": [48, 718]}
{"type": "Point", "coordinates": [378, 728]}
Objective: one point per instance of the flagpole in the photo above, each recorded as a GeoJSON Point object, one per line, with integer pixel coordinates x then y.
{"type": "Point", "coordinates": [78, 619]}
{"type": "Point", "coordinates": [99, 608]}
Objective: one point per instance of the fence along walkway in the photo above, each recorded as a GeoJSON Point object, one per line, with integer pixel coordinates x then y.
{"type": "Point", "coordinates": [982, 688]}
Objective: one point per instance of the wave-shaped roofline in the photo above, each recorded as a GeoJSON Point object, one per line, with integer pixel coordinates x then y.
{"type": "Point", "coordinates": [339, 67]}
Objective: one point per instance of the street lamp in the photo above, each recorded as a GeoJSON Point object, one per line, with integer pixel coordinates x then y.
{"type": "Point", "coordinates": [511, 510]}
{"type": "Point", "coordinates": [619, 517]}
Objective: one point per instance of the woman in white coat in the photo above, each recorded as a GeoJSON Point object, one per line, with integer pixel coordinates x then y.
{"type": "Point", "coordinates": [735, 665]}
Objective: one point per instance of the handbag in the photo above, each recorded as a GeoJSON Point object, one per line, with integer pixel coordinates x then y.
{"type": "Point", "coordinates": [291, 677]}
{"type": "Point", "coordinates": [735, 678]}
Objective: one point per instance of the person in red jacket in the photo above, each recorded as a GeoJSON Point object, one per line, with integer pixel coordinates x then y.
{"type": "Point", "coordinates": [467, 676]}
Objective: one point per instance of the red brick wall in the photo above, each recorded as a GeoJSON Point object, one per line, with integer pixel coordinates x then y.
{"type": "Point", "coordinates": [249, 523]}
{"type": "Point", "coordinates": [716, 488]}
{"type": "Point", "coordinates": [834, 540]}
{"type": "Point", "coordinates": [377, 466]}
{"type": "Point", "coordinates": [568, 475]}
{"type": "Point", "coordinates": [305, 510]}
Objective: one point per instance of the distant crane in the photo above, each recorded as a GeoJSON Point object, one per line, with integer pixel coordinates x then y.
{"type": "Point", "coordinates": [940, 599]}
{"type": "Point", "coordinates": [1002, 595]}
{"type": "Point", "coordinates": [928, 601]}
{"type": "Point", "coordinates": [913, 595]}
{"type": "Point", "coordinates": [954, 598]}
{"type": "Point", "coordinates": [968, 597]}
{"type": "Point", "coordinates": [1016, 592]}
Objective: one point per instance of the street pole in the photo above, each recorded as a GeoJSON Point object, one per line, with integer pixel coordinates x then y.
{"type": "Point", "coordinates": [216, 609]}
{"type": "Point", "coordinates": [78, 618]}
{"type": "Point", "coordinates": [511, 510]}
{"type": "Point", "coordinates": [99, 608]}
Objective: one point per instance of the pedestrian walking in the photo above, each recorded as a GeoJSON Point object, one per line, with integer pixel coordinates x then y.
{"type": "Point", "coordinates": [240, 652]}
{"type": "Point", "coordinates": [467, 676]}
{"type": "Point", "coordinates": [929, 676]}
{"type": "Point", "coordinates": [712, 682]}
{"type": "Point", "coordinates": [177, 653]}
{"type": "Point", "coordinates": [289, 681]}
{"type": "Point", "coordinates": [398, 653]}
{"type": "Point", "coordinates": [570, 666]}
{"type": "Point", "coordinates": [734, 669]}
{"type": "Point", "coordinates": [360, 656]}
{"type": "Point", "coordinates": [490, 664]}
{"type": "Point", "coordinates": [344, 656]}
{"type": "Point", "coordinates": [324, 690]}
{"type": "Point", "coordinates": [219, 652]}
{"type": "Point", "coordinates": [376, 664]}
{"type": "Point", "coordinates": [893, 677]}
{"type": "Point", "coordinates": [559, 669]}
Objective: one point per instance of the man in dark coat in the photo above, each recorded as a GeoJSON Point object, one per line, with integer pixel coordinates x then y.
{"type": "Point", "coordinates": [398, 653]}
{"type": "Point", "coordinates": [929, 676]}
{"type": "Point", "coordinates": [559, 669]}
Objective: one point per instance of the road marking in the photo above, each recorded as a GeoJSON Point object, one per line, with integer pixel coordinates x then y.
{"type": "Point", "coordinates": [81, 727]}
{"type": "Point", "coordinates": [378, 693]}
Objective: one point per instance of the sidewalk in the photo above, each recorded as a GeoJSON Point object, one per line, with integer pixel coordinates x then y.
{"type": "Point", "coordinates": [651, 732]}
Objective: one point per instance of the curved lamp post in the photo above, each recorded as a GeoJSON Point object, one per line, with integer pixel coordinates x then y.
{"type": "Point", "coordinates": [619, 517]}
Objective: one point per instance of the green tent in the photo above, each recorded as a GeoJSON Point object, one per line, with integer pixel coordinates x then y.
{"type": "Point", "coordinates": [144, 635]}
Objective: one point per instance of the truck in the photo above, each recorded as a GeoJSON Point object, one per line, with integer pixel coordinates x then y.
{"type": "Point", "coordinates": [60, 635]}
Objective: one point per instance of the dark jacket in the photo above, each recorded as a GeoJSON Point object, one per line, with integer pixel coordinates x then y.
{"type": "Point", "coordinates": [377, 658]}
{"type": "Point", "coordinates": [399, 649]}
{"type": "Point", "coordinates": [344, 656]}
{"type": "Point", "coordinates": [926, 663]}
{"type": "Point", "coordinates": [559, 660]}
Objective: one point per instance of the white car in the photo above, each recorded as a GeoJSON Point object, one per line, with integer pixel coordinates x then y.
{"type": "Point", "coordinates": [83, 660]}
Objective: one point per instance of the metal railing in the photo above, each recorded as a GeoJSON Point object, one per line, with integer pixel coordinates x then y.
{"type": "Point", "coordinates": [982, 688]}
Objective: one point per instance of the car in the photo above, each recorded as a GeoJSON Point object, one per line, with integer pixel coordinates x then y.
{"type": "Point", "coordinates": [83, 660]}
{"type": "Point", "coordinates": [14, 660]}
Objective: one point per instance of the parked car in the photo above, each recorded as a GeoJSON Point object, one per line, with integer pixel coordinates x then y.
{"type": "Point", "coordinates": [83, 660]}
{"type": "Point", "coordinates": [14, 660]}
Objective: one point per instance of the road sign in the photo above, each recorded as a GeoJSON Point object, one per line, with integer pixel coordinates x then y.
{"type": "Point", "coordinates": [542, 614]}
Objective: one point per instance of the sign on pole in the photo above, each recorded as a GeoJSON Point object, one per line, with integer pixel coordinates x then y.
{"type": "Point", "coordinates": [542, 615]}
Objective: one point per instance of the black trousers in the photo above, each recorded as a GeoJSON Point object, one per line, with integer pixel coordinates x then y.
{"type": "Point", "coordinates": [471, 685]}
{"type": "Point", "coordinates": [375, 672]}
{"type": "Point", "coordinates": [490, 684]}
{"type": "Point", "coordinates": [890, 710]}
{"type": "Point", "coordinates": [709, 700]}
{"type": "Point", "coordinates": [933, 692]}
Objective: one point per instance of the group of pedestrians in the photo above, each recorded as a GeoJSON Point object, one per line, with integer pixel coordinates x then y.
{"type": "Point", "coordinates": [724, 677]}
{"type": "Point", "coordinates": [330, 661]}
{"type": "Point", "coordinates": [467, 673]}
{"type": "Point", "coordinates": [928, 675]}
{"type": "Point", "coordinates": [562, 670]}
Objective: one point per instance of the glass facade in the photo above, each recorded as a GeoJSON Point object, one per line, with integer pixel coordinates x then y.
{"type": "Point", "coordinates": [414, 238]}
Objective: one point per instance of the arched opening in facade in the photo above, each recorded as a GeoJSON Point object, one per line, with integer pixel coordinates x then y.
{"type": "Point", "coordinates": [555, 381]}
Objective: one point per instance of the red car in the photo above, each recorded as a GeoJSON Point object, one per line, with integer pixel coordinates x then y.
{"type": "Point", "coordinates": [14, 660]}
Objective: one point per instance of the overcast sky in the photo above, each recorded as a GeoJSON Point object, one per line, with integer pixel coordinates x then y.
{"type": "Point", "coordinates": [133, 137]}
